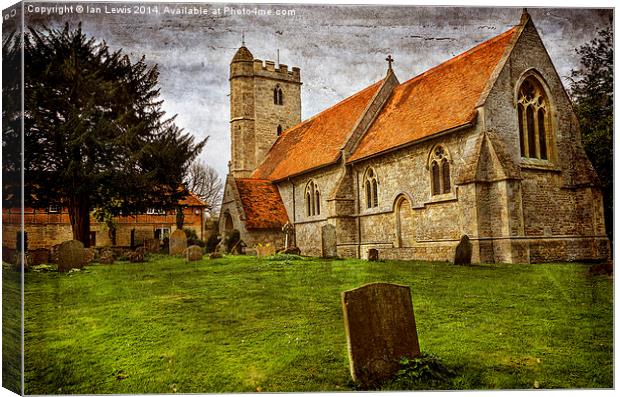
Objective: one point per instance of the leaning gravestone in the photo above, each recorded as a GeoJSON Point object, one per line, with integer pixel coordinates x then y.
{"type": "Point", "coordinates": [177, 242]}
{"type": "Point", "coordinates": [193, 253]}
{"type": "Point", "coordinates": [71, 254]}
{"type": "Point", "coordinates": [380, 327]}
{"type": "Point", "coordinates": [462, 256]}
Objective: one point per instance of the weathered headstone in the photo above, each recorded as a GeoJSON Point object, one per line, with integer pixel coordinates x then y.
{"type": "Point", "coordinates": [193, 253]}
{"type": "Point", "coordinates": [106, 259]}
{"type": "Point", "coordinates": [265, 250]}
{"type": "Point", "coordinates": [90, 254]}
{"type": "Point", "coordinates": [292, 251]}
{"type": "Point", "coordinates": [289, 233]}
{"type": "Point", "coordinates": [71, 254]}
{"type": "Point", "coordinates": [462, 256]}
{"type": "Point", "coordinates": [178, 242]}
{"type": "Point", "coordinates": [135, 257]}
{"type": "Point", "coordinates": [381, 330]}
{"type": "Point", "coordinates": [151, 245]}
{"type": "Point", "coordinates": [373, 254]}
{"type": "Point", "coordinates": [328, 236]}
{"type": "Point", "coordinates": [142, 250]}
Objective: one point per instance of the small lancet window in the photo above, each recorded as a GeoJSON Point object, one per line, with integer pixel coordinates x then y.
{"type": "Point", "coordinates": [313, 199]}
{"type": "Point", "coordinates": [277, 95]}
{"type": "Point", "coordinates": [534, 122]}
{"type": "Point", "coordinates": [372, 189]}
{"type": "Point", "coordinates": [279, 130]}
{"type": "Point", "coordinates": [440, 171]}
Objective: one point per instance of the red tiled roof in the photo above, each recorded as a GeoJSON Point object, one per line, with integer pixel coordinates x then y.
{"type": "Point", "coordinates": [437, 100]}
{"type": "Point", "coordinates": [192, 201]}
{"type": "Point", "coordinates": [262, 204]}
{"type": "Point", "coordinates": [317, 141]}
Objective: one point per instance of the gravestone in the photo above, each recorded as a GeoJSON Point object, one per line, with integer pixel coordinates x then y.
{"type": "Point", "coordinates": [106, 259]}
{"type": "Point", "coordinates": [380, 328]}
{"type": "Point", "coordinates": [142, 250]}
{"type": "Point", "coordinates": [151, 245]}
{"type": "Point", "coordinates": [289, 233]}
{"type": "Point", "coordinates": [193, 253]}
{"type": "Point", "coordinates": [90, 254]}
{"type": "Point", "coordinates": [328, 237]}
{"type": "Point", "coordinates": [373, 254]}
{"type": "Point", "coordinates": [462, 256]}
{"type": "Point", "coordinates": [135, 257]}
{"type": "Point", "coordinates": [177, 243]}
{"type": "Point", "coordinates": [71, 254]}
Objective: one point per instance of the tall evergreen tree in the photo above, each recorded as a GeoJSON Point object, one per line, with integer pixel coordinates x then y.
{"type": "Point", "coordinates": [95, 135]}
{"type": "Point", "coordinates": [592, 92]}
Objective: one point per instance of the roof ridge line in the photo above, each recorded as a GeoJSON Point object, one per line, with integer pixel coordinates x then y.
{"type": "Point", "coordinates": [475, 48]}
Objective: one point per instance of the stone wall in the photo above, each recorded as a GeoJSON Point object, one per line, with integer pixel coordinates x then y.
{"type": "Point", "coordinates": [253, 114]}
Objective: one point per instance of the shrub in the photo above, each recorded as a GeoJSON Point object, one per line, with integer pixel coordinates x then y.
{"type": "Point", "coordinates": [192, 238]}
{"type": "Point", "coordinates": [423, 372]}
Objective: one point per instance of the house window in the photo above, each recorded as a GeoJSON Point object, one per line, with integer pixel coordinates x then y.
{"type": "Point", "coordinates": [313, 199]}
{"type": "Point", "coordinates": [279, 130]}
{"type": "Point", "coordinates": [277, 95]}
{"type": "Point", "coordinates": [440, 171]}
{"type": "Point", "coordinates": [155, 211]}
{"type": "Point", "coordinates": [372, 189]}
{"type": "Point", "coordinates": [534, 120]}
{"type": "Point", "coordinates": [54, 209]}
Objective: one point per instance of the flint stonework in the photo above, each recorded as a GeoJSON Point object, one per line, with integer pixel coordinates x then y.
{"type": "Point", "coordinates": [380, 328]}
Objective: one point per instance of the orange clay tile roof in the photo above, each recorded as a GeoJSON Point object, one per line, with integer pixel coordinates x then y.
{"type": "Point", "coordinates": [262, 204]}
{"type": "Point", "coordinates": [317, 141]}
{"type": "Point", "coordinates": [437, 100]}
{"type": "Point", "coordinates": [192, 201]}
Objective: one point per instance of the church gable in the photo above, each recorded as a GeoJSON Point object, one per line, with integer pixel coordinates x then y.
{"type": "Point", "coordinates": [550, 138]}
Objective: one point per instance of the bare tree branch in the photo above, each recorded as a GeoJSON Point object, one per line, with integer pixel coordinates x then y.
{"type": "Point", "coordinates": [203, 181]}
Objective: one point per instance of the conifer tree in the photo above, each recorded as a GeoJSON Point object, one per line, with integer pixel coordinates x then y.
{"type": "Point", "coordinates": [95, 135]}
{"type": "Point", "coordinates": [592, 93]}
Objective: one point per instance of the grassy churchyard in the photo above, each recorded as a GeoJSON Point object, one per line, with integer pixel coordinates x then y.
{"type": "Point", "coordinates": [275, 324]}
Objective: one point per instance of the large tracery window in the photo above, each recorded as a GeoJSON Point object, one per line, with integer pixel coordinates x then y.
{"type": "Point", "coordinates": [313, 199]}
{"type": "Point", "coordinates": [371, 186]}
{"type": "Point", "coordinates": [440, 171]}
{"type": "Point", "coordinates": [533, 111]}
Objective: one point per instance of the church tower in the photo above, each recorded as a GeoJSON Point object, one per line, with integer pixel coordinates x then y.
{"type": "Point", "coordinates": [264, 102]}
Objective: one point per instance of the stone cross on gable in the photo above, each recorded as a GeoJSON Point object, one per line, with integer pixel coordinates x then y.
{"type": "Point", "coordinates": [288, 230]}
{"type": "Point", "coordinates": [390, 60]}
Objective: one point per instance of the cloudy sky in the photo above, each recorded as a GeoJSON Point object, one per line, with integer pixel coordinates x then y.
{"type": "Point", "coordinates": [340, 49]}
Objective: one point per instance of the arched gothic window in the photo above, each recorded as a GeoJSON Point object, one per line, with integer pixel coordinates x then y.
{"type": "Point", "coordinates": [372, 189]}
{"type": "Point", "coordinates": [279, 130]}
{"type": "Point", "coordinates": [313, 199]}
{"type": "Point", "coordinates": [440, 171]}
{"type": "Point", "coordinates": [534, 120]}
{"type": "Point", "coordinates": [277, 95]}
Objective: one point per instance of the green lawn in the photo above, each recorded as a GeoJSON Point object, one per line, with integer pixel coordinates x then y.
{"type": "Point", "coordinates": [245, 324]}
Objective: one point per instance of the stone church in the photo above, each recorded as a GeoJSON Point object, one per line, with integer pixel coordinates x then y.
{"type": "Point", "coordinates": [485, 144]}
